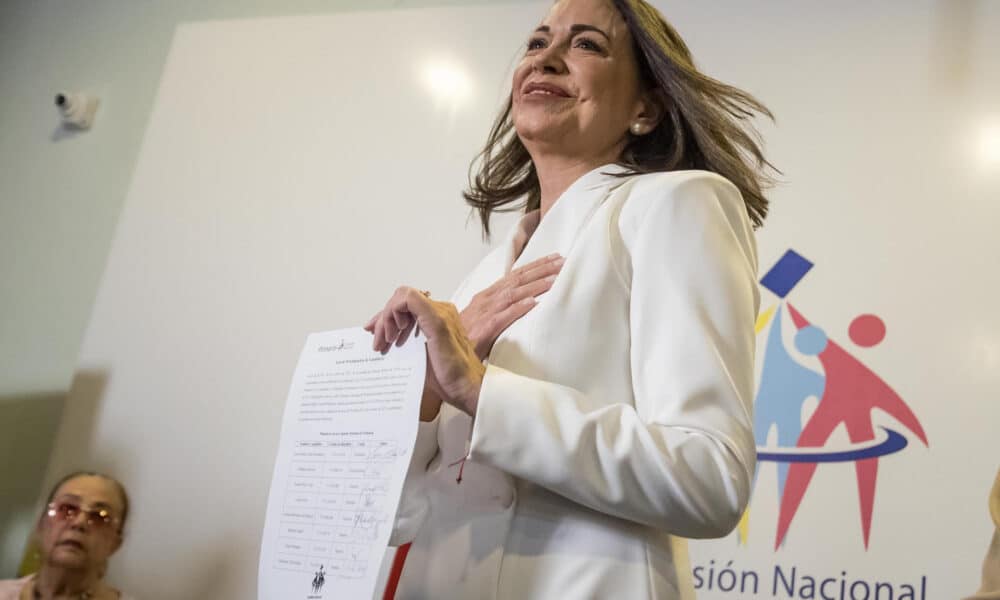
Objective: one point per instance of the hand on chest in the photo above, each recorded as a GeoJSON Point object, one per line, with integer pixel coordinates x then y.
{"type": "Point", "coordinates": [581, 324]}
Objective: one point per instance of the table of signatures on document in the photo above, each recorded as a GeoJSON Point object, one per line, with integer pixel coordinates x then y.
{"type": "Point", "coordinates": [336, 494]}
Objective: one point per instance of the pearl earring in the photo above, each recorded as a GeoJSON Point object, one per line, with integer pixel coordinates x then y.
{"type": "Point", "coordinates": [636, 128]}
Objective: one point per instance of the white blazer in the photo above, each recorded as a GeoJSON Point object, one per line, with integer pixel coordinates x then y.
{"type": "Point", "coordinates": [615, 417]}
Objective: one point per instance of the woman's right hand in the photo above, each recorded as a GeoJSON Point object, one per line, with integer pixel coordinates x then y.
{"type": "Point", "coordinates": [494, 309]}
{"type": "Point", "coordinates": [488, 314]}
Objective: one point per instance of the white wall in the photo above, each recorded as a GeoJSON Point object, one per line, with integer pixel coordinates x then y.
{"type": "Point", "coordinates": [60, 197]}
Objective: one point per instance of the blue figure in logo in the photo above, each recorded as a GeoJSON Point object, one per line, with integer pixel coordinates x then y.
{"type": "Point", "coordinates": [785, 385]}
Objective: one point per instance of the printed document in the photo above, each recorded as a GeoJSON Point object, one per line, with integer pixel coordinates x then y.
{"type": "Point", "coordinates": [346, 440]}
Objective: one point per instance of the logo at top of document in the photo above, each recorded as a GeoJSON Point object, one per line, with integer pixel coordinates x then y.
{"type": "Point", "coordinates": [847, 392]}
{"type": "Point", "coordinates": [343, 345]}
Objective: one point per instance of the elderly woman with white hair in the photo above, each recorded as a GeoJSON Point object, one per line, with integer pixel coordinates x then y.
{"type": "Point", "coordinates": [79, 529]}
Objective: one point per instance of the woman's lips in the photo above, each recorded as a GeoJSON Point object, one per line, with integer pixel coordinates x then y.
{"type": "Point", "coordinates": [544, 90]}
{"type": "Point", "coordinates": [71, 544]}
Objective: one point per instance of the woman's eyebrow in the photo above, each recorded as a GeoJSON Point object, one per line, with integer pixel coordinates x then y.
{"type": "Point", "coordinates": [579, 28]}
{"type": "Point", "coordinates": [574, 29]}
{"type": "Point", "coordinates": [76, 498]}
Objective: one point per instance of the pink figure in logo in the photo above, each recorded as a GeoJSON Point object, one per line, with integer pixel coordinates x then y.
{"type": "Point", "coordinates": [852, 391]}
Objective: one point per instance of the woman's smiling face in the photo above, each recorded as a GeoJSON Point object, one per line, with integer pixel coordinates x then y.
{"type": "Point", "coordinates": [577, 89]}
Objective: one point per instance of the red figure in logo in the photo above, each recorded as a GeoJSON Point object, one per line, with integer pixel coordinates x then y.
{"type": "Point", "coordinates": [852, 391]}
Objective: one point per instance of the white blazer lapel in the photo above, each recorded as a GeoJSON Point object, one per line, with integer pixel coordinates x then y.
{"type": "Point", "coordinates": [559, 229]}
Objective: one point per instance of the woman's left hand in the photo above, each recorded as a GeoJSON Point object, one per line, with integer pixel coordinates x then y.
{"type": "Point", "coordinates": [451, 356]}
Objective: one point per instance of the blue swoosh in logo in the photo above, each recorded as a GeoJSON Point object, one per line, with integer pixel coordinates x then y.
{"type": "Point", "coordinates": [893, 443]}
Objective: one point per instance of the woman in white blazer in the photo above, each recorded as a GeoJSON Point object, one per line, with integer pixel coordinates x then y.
{"type": "Point", "coordinates": [590, 406]}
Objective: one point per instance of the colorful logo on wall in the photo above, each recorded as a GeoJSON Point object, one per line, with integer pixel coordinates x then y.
{"type": "Point", "coordinates": [848, 391]}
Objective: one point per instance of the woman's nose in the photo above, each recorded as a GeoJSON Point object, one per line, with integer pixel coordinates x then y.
{"type": "Point", "coordinates": [549, 60]}
{"type": "Point", "coordinates": [80, 521]}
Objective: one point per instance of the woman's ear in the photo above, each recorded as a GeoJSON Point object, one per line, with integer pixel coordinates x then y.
{"type": "Point", "coordinates": [649, 112]}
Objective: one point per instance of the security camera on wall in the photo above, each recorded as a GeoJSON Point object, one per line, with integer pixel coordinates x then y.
{"type": "Point", "coordinates": [77, 109]}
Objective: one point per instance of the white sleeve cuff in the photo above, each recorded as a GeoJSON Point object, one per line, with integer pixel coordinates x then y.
{"type": "Point", "coordinates": [413, 503]}
{"type": "Point", "coordinates": [426, 445]}
{"type": "Point", "coordinates": [504, 403]}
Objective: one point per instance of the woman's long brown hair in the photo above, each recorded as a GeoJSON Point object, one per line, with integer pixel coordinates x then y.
{"type": "Point", "coordinates": [707, 125]}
